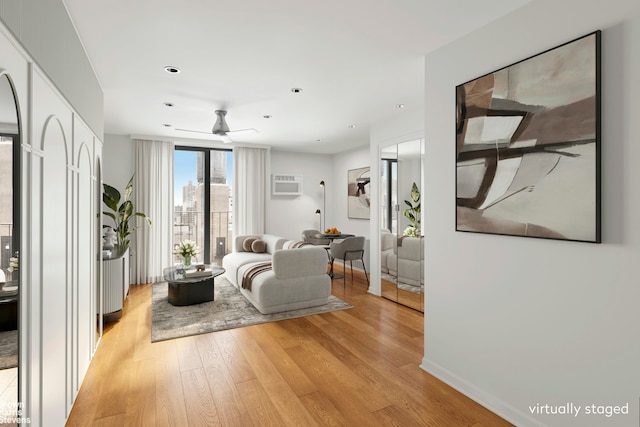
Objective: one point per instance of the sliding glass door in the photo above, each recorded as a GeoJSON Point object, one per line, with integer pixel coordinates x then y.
{"type": "Point", "coordinates": [202, 201]}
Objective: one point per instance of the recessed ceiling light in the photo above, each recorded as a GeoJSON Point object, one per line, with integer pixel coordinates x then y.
{"type": "Point", "coordinates": [267, 116]}
{"type": "Point", "coordinates": [296, 89]}
{"type": "Point", "coordinates": [171, 69]}
{"type": "Point", "coordinates": [352, 126]}
{"type": "Point", "coordinates": [168, 104]}
{"type": "Point", "coordinates": [318, 140]}
{"type": "Point", "coordinates": [167, 125]}
{"type": "Point", "coordinates": [400, 106]}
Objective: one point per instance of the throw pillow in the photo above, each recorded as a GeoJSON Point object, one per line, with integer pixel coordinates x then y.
{"type": "Point", "coordinates": [246, 245]}
{"type": "Point", "coordinates": [258, 246]}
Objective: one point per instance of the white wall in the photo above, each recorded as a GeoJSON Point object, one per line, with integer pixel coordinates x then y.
{"type": "Point", "coordinates": [514, 322]}
{"type": "Point", "coordinates": [287, 216]}
{"type": "Point", "coordinates": [118, 156]}
{"type": "Point", "coordinates": [47, 33]}
{"type": "Point", "coordinates": [337, 192]}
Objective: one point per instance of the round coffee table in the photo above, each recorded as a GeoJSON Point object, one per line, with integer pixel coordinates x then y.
{"type": "Point", "coordinates": [185, 290]}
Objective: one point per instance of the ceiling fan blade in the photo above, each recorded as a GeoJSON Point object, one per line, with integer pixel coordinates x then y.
{"type": "Point", "coordinates": [222, 138]}
{"type": "Point", "coordinates": [196, 131]}
{"type": "Point", "coordinates": [243, 130]}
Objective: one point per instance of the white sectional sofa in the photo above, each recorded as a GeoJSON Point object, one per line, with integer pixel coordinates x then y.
{"type": "Point", "coordinates": [298, 278]}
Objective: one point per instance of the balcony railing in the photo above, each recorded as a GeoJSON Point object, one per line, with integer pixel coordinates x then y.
{"type": "Point", "coordinates": [6, 250]}
{"type": "Point", "coordinates": [189, 225]}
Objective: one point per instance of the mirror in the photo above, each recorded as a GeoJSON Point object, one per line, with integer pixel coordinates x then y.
{"type": "Point", "coordinates": [9, 240]}
{"type": "Point", "coordinates": [402, 244]}
{"type": "Point", "coordinates": [389, 221]}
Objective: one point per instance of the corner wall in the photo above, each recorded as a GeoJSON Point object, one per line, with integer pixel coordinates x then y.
{"type": "Point", "coordinates": [119, 160]}
{"type": "Point", "coordinates": [339, 212]}
{"type": "Point", "coordinates": [287, 216]}
{"type": "Point", "coordinates": [515, 322]}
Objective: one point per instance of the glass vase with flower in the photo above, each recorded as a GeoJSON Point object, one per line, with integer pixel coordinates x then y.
{"type": "Point", "coordinates": [186, 250]}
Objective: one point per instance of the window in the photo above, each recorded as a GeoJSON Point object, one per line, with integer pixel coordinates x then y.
{"type": "Point", "coordinates": [202, 213]}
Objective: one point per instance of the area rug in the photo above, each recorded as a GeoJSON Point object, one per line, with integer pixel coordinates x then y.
{"type": "Point", "coordinates": [229, 310]}
{"type": "Point", "coordinates": [8, 349]}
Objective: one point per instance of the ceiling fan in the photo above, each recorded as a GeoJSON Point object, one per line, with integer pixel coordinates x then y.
{"type": "Point", "coordinates": [220, 128]}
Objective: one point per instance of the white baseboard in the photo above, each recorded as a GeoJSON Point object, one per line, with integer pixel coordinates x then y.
{"type": "Point", "coordinates": [488, 400]}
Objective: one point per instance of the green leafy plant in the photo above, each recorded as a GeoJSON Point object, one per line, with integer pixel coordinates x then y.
{"type": "Point", "coordinates": [412, 213]}
{"type": "Point", "coordinates": [121, 213]}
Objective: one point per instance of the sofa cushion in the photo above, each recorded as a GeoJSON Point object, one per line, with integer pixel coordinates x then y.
{"type": "Point", "coordinates": [273, 242]}
{"type": "Point", "coordinates": [271, 294]}
{"type": "Point", "coordinates": [258, 246]}
{"type": "Point", "coordinates": [247, 242]}
{"type": "Point", "coordinates": [307, 261]}
{"type": "Point", "coordinates": [233, 261]}
{"type": "Point", "coordinates": [411, 248]}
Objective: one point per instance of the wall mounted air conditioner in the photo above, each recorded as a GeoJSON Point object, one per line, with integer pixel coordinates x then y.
{"type": "Point", "coordinates": [286, 185]}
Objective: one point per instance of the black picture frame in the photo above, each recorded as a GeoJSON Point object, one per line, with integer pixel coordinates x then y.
{"type": "Point", "coordinates": [528, 146]}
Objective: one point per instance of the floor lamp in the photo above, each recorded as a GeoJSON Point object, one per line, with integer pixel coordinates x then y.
{"type": "Point", "coordinates": [324, 207]}
{"type": "Point", "coordinates": [320, 213]}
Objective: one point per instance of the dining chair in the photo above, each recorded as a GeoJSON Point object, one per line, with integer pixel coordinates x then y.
{"type": "Point", "coordinates": [350, 249]}
{"type": "Point", "coordinates": [314, 237]}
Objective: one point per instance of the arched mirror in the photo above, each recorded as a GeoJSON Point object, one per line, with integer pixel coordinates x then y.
{"type": "Point", "coordinates": [401, 240]}
{"type": "Point", "coordinates": [9, 240]}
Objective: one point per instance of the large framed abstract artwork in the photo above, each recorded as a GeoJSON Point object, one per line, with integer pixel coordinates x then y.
{"type": "Point", "coordinates": [528, 146]}
{"type": "Point", "coordinates": [358, 194]}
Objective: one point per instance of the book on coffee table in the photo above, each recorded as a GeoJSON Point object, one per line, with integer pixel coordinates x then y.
{"type": "Point", "coordinates": [198, 273]}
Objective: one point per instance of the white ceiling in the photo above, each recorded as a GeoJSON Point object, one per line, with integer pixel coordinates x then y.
{"type": "Point", "coordinates": [355, 60]}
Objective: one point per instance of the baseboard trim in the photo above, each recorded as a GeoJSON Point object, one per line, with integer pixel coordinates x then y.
{"type": "Point", "coordinates": [488, 400]}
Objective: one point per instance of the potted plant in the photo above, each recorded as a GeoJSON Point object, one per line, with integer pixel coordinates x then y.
{"type": "Point", "coordinates": [412, 213]}
{"type": "Point", "coordinates": [121, 213]}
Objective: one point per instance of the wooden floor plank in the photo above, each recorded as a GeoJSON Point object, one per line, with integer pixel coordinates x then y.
{"type": "Point", "coordinates": [344, 393]}
{"type": "Point", "coordinates": [201, 411]}
{"type": "Point", "coordinates": [231, 353]}
{"type": "Point", "coordinates": [259, 405]}
{"type": "Point", "coordinates": [141, 403]}
{"type": "Point", "coordinates": [229, 404]}
{"type": "Point", "coordinates": [323, 410]}
{"type": "Point", "coordinates": [352, 367]}
{"type": "Point", "coordinates": [289, 370]}
{"type": "Point", "coordinates": [280, 392]}
{"type": "Point", "coordinates": [171, 409]}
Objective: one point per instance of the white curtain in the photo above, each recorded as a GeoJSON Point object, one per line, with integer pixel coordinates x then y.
{"type": "Point", "coordinates": [153, 196]}
{"type": "Point", "coordinates": [249, 190]}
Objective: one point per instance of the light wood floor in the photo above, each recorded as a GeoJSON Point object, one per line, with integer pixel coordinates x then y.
{"type": "Point", "coordinates": [356, 367]}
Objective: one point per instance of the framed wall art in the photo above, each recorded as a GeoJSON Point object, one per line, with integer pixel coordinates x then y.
{"type": "Point", "coordinates": [528, 146]}
{"type": "Point", "coordinates": [358, 194]}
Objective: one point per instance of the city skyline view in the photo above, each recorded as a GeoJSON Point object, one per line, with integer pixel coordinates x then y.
{"type": "Point", "coordinates": [202, 210]}
{"type": "Point", "coordinates": [185, 169]}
